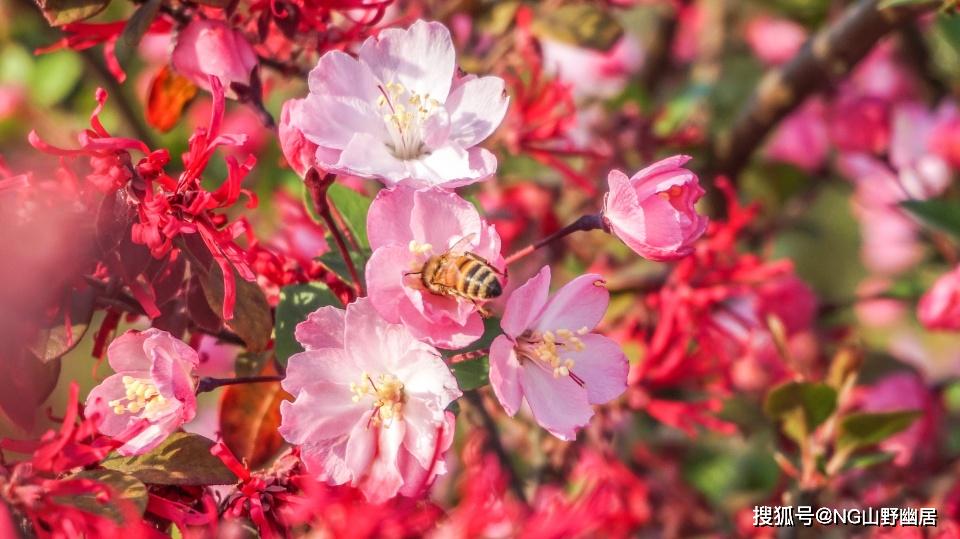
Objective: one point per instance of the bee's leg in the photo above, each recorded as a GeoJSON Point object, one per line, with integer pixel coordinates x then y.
{"type": "Point", "coordinates": [484, 313]}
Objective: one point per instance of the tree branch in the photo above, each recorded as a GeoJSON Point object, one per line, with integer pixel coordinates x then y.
{"type": "Point", "coordinates": [827, 57]}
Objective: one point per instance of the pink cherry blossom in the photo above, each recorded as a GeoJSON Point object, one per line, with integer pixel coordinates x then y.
{"type": "Point", "coordinates": [593, 73]}
{"type": "Point", "coordinates": [774, 41]}
{"type": "Point", "coordinates": [915, 149]}
{"type": "Point", "coordinates": [801, 139]}
{"type": "Point", "coordinates": [398, 113]}
{"type": "Point", "coordinates": [152, 393]}
{"type": "Point", "coordinates": [406, 227]}
{"type": "Point", "coordinates": [905, 391]}
{"type": "Point", "coordinates": [297, 150]}
{"type": "Point", "coordinates": [370, 403]}
{"type": "Point", "coordinates": [939, 308]}
{"type": "Point", "coordinates": [549, 355]}
{"type": "Point", "coordinates": [653, 212]}
{"type": "Point", "coordinates": [212, 48]}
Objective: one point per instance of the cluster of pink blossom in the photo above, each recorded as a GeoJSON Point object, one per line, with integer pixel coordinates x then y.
{"type": "Point", "coordinates": [371, 389]}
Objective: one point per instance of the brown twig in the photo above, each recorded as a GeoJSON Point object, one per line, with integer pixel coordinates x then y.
{"type": "Point", "coordinates": [209, 384]}
{"type": "Point", "coordinates": [827, 57]}
{"type": "Point", "coordinates": [317, 187]}
{"type": "Point", "coordinates": [585, 222]}
{"type": "Point", "coordinates": [494, 444]}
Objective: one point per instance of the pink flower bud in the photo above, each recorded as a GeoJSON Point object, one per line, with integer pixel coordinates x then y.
{"type": "Point", "coordinates": [297, 150]}
{"type": "Point", "coordinates": [653, 212]}
{"type": "Point", "coordinates": [939, 308]}
{"type": "Point", "coordinates": [207, 47]}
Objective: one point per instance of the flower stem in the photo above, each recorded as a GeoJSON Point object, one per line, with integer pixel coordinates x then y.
{"type": "Point", "coordinates": [318, 192]}
{"type": "Point", "coordinates": [585, 222]}
{"type": "Point", "coordinates": [209, 384]}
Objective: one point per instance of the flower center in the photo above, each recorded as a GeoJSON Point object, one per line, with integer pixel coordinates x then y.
{"type": "Point", "coordinates": [546, 350]}
{"type": "Point", "coordinates": [387, 394]}
{"type": "Point", "coordinates": [141, 395]}
{"type": "Point", "coordinates": [673, 192]}
{"type": "Point", "coordinates": [404, 113]}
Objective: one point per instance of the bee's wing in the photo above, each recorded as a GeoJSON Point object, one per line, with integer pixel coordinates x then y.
{"type": "Point", "coordinates": [459, 248]}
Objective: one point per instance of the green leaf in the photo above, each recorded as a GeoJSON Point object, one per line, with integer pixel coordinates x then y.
{"type": "Point", "coordinates": [54, 76]}
{"type": "Point", "coordinates": [125, 487]}
{"type": "Point", "coordinates": [865, 429]}
{"type": "Point", "coordinates": [472, 373]}
{"type": "Point", "coordinates": [943, 215]}
{"type": "Point", "coordinates": [251, 312]}
{"type": "Point", "coordinates": [885, 4]}
{"type": "Point", "coordinates": [583, 25]}
{"type": "Point", "coordinates": [800, 406]}
{"type": "Point", "coordinates": [60, 12]}
{"type": "Point", "coordinates": [353, 207]}
{"type": "Point", "coordinates": [182, 459]}
{"type": "Point", "coordinates": [296, 302]}
{"type": "Point", "coordinates": [334, 261]}
{"type": "Point", "coordinates": [134, 30]}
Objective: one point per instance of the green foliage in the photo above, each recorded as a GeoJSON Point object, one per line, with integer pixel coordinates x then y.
{"type": "Point", "coordinates": [182, 459]}
{"type": "Point", "coordinates": [54, 76]}
{"type": "Point", "coordinates": [943, 215]}
{"type": "Point", "coordinates": [60, 12]}
{"type": "Point", "coordinates": [584, 25]}
{"type": "Point", "coordinates": [296, 302]}
{"type": "Point", "coordinates": [126, 488]}
{"type": "Point", "coordinates": [800, 407]}
{"type": "Point", "coordinates": [474, 373]}
{"type": "Point", "coordinates": [353, 207]}
{"type": "Point", "coordinates": [866, 429]}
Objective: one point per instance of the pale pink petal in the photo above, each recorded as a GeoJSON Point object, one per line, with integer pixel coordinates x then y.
{"type": "Point", "coordinates": [388, 214]}
{"type": "Point", "coordinates": [421, 58]}
{"type": "Point", "coordinates": [602, 366]}
{"type": "Point", "coordinates": [661, 224]}
{"type": "Point", "coordinates": [334, 122]}
{"type": "Point", "coordinates": [323, 328]}
{"type": "Point", "coordinates": [558, 403]}
{"type": "Point", "coordinates": [427, 378]}
{"type": "Point", "coordinates": [338, 74]}
{"type": "Point", "coordinates": [385, 279]}
{"type": "Point", "coordinates": [441, 218]}
{"type": "Point", "coordinates": [383, 479]}
{"type": "Point", "coordinates": [109, 423]}
{"type": "Point", "coordinates": [505, 374]}
{"type": "Point", "coordinates": [451, 166]}
{"type": "Point", "coordinates": [150, 437]}
{"type": "Point", "coordinates": [581, 303]}
{"type": "Point", "coordinates": [327, 459]}
{"type": "Point", "coordinates": [321, 366]}
{"type": "Point", "coordinates": [324, 411]}
{"type": "Point", "coordinates": [446, 333]}
{"type": "Point", "coordinates": [476, 108]}
{"type": "Point", "coordinates": [526, 303]}
{"type": "Point", "coordinates": [365, 155]}
{"type": "Point", "coordinates": [125, 354]}
{"type": "Point", "coordinates": [361, 447]}
{"type": "Point", "coordinates": [422, 432]}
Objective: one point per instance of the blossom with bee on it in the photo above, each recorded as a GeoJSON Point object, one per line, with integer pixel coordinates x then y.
{"type": "Point", "coordinates": [550, 356]}
{"type": "Point", "coordinates": [653, 212]}
{"type": "Point", "coordinates": [398, 113]}
{"type": "Point", "coordinates": [152, 393]}
{"type": "Point", "coordinates": [408, 227]}
{"type": "Point", "coordinates": [370, 403]}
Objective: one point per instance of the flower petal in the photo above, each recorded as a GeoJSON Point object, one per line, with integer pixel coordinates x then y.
{"type": "Point", "coordinates": [476, 108]}
{"type": "Point", "coordinates": [422, 58]}
{"type": "Point", "coordinates": [338, 74]}
{"type": "Point", "coordinates": [125, 354]}
{"type": "Point", "coordinates": [383, 479]}
{"type": "Point", "coordinates": [558, 404]}
{"type": "Point", "coordinates": [526, 303]}
{"type": "Point", "coordinates": [580, 303]}
{"type": "Point", "coordinates": [325, 411]}
{"type": "Point", "coordinates": [323, 328]}
{"type": "Point", "coordinates": [602, 366]}
{"type": "Point", "coordinates": [505, 374]}
{"type": "Point", "coordinates": [365, 155]}
{"type": "Point", "coordinates": [334, 122]}
{"type": "Point", "coordinates": [320, 366]}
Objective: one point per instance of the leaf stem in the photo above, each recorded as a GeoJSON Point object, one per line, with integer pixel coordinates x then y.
{"type": "Point", "coordinates": [209, 384]}
{"type": "Point", "coordinates": [318, 192]}
{"type": "Point", "coordinates": [585, 222]}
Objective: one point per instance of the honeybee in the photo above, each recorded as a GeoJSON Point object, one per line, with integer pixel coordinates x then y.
{"type": "Point", "coordinates": [459, 273]}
